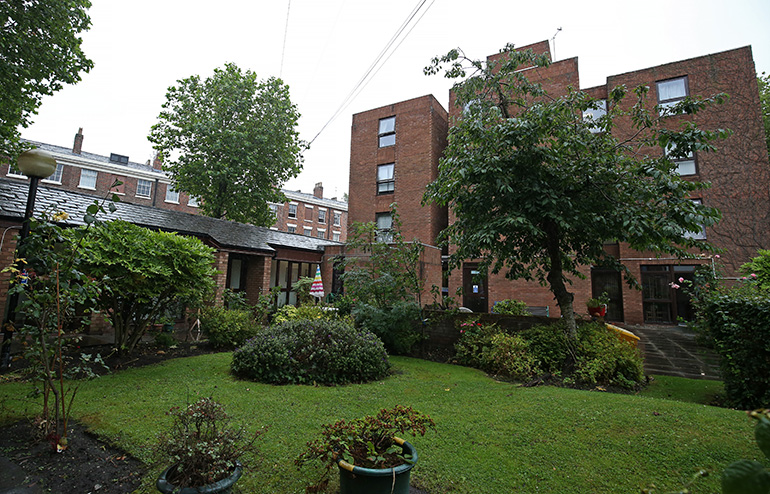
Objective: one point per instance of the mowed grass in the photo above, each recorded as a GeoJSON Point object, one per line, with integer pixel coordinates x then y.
{"type": "Point", "coordinates": [492, 437]}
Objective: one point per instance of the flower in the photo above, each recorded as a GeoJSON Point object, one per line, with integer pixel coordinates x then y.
{"type": "Point", "coordinates": [753, 275]}
{"type": "Point", "coordinates": [674, 285]}
{"type": "Point", "coordinates": [681, 280]}
{"type": "Point", "coordinates": [716, 256]}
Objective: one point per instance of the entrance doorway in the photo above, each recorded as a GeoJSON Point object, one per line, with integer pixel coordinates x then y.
{"type": "Point", "coordinates": [609, 281]}
{"type": "Point", "coordinates": [474, 288]}
{"type": "Point", "coordinates": [661, 303]}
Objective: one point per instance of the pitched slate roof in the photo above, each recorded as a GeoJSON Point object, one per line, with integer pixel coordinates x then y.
{"type": "Point", "coordinates": [13, 200]}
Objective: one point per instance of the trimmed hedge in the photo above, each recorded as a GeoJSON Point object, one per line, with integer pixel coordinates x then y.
{"type": "Point", "coordinates": [312, 351]}
{"type": "Point", "coordinates": [738, 321]}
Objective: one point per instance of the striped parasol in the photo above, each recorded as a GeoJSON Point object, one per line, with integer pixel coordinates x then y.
{"type": "Point", "coordinates": [317, 288]}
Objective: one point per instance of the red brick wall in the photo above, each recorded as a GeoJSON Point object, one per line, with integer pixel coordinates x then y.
{"type": "Point", "coordinates": [302, 220]}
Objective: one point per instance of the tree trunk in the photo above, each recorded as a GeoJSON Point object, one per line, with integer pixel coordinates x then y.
{"type": "Point", "coordinates": [556, 281]}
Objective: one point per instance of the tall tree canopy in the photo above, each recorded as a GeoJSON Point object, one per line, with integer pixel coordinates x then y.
{"type": "Point", "coordinates": [231, 141]}
{"type": "Point", "coordinates": [39, 52]}
{"type": "Point", "coordinates": [537, 190]}
{"type": "Point", "coordinates": [764, 99]}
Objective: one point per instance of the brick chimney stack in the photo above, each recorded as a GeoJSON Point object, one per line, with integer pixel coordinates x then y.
{"type": "Point", "coordinates": [156, 162]}
{"type": "Point", "coordinates": [78, 145]}
{"type": "Point", "coordinates": [318, 190]}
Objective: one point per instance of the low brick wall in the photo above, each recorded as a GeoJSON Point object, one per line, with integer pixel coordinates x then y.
{"type": "Point", "coordinates": [441, 331]}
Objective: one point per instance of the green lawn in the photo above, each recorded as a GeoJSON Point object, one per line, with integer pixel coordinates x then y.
{"type": "Point", "coordinates": [492, 437]}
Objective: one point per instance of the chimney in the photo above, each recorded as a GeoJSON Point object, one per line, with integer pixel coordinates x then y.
{"type": "Point", "coordinates": [78, 145]}
{"type": "Point", "coordinates": [156, 162]}
{"type": "Point", "coordinates": [318, 190]}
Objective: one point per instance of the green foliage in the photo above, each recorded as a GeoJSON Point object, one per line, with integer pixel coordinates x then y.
{"type": "Point", "coordinates": [302, 287]}
{"type": "Point", "coordinates": [228, 134]}
{"type": "Point", "coordinates": [600, 357]}
{"type": "Point", "coordinates": [536, 191]}
{"type": "Point", "coordinates": [366, 442]}
{"type": "Point", "coordinates": [41, 52]}
{"type": "Point", "coordinates": [202, 444]}
{"type": "Point", "coordinates": [165, 340]}
{"type": "Point", "coordinates": [758, 269]}
{"type": "Point", "coordinates": [227, 328]}
{"type": "Point", "coordinates": [145, 271]}
{"type": "Point", "coordinates": [310, 351]}
{"type": "Point", "coordinates": [738, 322]}
{"type": "Point", "coordinates": [293, 313]}
{"type": "Point", "coordinates": [599, 301]}
{"type": "Point", "coordinates": [763, 82]}
{"type": "Point", "coordinates": [510, 307]}
{"type": "Point", "coordinates": [746, 476]}
{"type": "Point", "coordinates": [398, 326]}
{"type": "Point", "coordinates": [379, 273]}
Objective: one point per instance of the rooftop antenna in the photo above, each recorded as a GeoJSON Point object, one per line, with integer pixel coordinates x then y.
{"type": "Point", "coordinates": [553, 42]}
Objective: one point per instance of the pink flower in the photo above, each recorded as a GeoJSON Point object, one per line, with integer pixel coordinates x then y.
{"type": "Point", "coordinates": [716, 256]}
{"type": "Point", "coordinates": [681, 280]}
{"type": "Point", "coordinates": [753, 275]}
{"type": "Point", "coordinates": [744, 278]}
{"type": "Point", "coordinates": [674, 286]}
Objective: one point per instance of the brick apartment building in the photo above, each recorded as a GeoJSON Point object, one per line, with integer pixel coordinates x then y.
{"type": "Point", "coordinates": [146, 184]}
{"type": "Point", "coordinates": [395, 150]}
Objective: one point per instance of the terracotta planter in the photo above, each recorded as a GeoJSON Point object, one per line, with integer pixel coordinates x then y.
{"type": "Point", "coordinates": [224, 486]}
{"type": "Point", "coordinates": [598, 311]}
{"type": "Point", "coordinates": [358, 480]}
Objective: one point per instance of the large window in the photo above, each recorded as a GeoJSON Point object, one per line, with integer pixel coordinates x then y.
{"type": "Point", "coordinates": [384, 227]}
{"type": "Point", "coordinates": [685, 164]}
{"type": "Point", "coordinates": [291, 228]}
{"type": "Point", "coordinates": [171, 194]}
{"type": "Point", "coordinates": [670, 92]}
{"type": "Point", "coordinates": [386, 182]}
{"type": "Point", "coordinates": [337, 218]}
{"type": "Point", "coordinates": [321, 233]}
{"type": "Point", "coordinates": [593, 114]}
{"type": "Point", "coordinates": [292, 210]}
{"type": "Point", "coordinates": [56, 177]}
{"type": "Point", "coordinates": [307, 230]}
{"type": "Point", "coordinates": [143, 188]}
{"type": "Point", "coordinates": [701, 234]}
{"type": "Point", "coordinates": [387, 132]}
{"type": "Point", "coordinates": [88, 178]}
{"type": "Point", "coordinates": [321, 215]}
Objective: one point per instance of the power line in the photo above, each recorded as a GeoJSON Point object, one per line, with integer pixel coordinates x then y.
{"type": "Point", "coordinates": [285, 35]}
{"type": "Point", "coordinates": [368, 74]}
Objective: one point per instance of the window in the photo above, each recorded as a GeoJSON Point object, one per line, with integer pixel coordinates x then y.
{"type": "Point", "coordinates": [292, 210]}
{"type": "Point", "coordinates": [192, 202]}
{"type": "Point", "coordinates": [592, 115]}
{"type": "Point", "coordinates": [321, 215]}
{"type": "Point", "coordinates": [143, 188]}
{"type": "Point", "coordinates": [336, 236]}
{"type": "Point", "coordinates": [337, 218]}
{"type": "Point", "coordinates": [171, 194]}
{"type": "Point", "coordinates": [384, 224]}
{"type": "Point", "coordinates": [670, 92]}
{"type": "Point", "coordinates": [699, 235]}
{"type": "Point", "coordinates": [321, 233]}
{"type": "Point", "coordinates": [56, 177]}
{"type": "Point", "coordinates": [308, 231]}
{"type": "Point", "coordinates": [387, 132]}
{"type": "Point", "coordinates": [291, 228]}
{"type": "Point", "coordinates": [385, 181]}
{"type": "Point", "coordinates": [685, 165]}
{"type": "Point", "coordinates": [88, 179]}
{"type": "Point", "coordinates": [274, 210]}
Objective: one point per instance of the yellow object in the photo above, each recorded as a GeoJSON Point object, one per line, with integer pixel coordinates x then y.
{"type": "Point", "coordinates": [624, 334]}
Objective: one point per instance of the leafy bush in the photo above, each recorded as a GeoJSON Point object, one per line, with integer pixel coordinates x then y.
{"type": "Point", "coordinates": [511, 308]}
{"type": "Point", "coordinates": [738, 322]}
{"type": "Point", "coordinates": [227, 328]}
{"type": "Point", "coordinates": [758, 269]}
{"type": "Point", "coordinates": [396, 325]}
{"type": "Point", "coordinates": [312, 351]}
{"type": "Point", "coordinates": [292, 313]}
{"type": "Point", "coordinates": [747, 476]}
{"type": "Point", "coordinates": [600, 357]}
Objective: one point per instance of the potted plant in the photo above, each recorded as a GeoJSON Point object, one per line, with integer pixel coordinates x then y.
{"type": "Point", "coordinates": [371, 458]}
{"type": "Point", "coordinates": [204, 450]}
{"type": "Point", "coordinates": [597, 306]}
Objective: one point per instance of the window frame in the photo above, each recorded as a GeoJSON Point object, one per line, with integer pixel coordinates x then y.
{"type": "Point", "coordinates": [307, 231]}
{"type": "Point", "coordinates": [172, 192]}
{"type": "Point", "coordinates": [384, 137]}
{"type": "Point", "coordinates": [192, 202]}
{"type": "Point", "coordinates": [82, 185]}
{"type": "Point", "coordinates": [701, 235]}
{"type": "Point", "coordinates": [384, 235]}
{"type": "Point", "coordinates": [57, 173]}
{"type": "Point", "coordinates": [291, 228]}
{"type": "Point", "coordinates": [322, 215]}
{"type": "Point", "coordinates": [292, 210]}
{"type": "Point", "coordinates": [692, 157]}
{"type": "Point", "coordinates": [337, 218]}
{"type": "Point", "coordinates": [387, 185]}
{"type": "Point", "coordinates": [141, 184]}
{"type": "Point", "coordinates": [666, 104]}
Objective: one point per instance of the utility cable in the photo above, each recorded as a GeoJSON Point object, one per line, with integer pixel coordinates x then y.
{"type": "Point", "coordinates": [285, 35]}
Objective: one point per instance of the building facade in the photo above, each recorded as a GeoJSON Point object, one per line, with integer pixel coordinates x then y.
{"type": "Point", "coordinates": [147, 185]}
{"type": "Point", "coordinates": [395, 151]}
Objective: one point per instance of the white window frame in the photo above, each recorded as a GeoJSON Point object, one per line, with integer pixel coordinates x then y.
{"type": "Point", "coordinates": [321, 233]}
{"type": "Point", "coordinates": [141, 184]}
{"type": "Point", "coordinates": [293, 210]}
{"type": "Point", "coordinates": [172, 196]}
{"type": "Point", "coordinates": [192, 202]}
{"type": "Point", "coordinates": [86, 176]}
{"type": "Point", "coordinates": [336, 236]}
{"type": "Point", "coordinates": [386, 132]}
{"type": "Point", "coordinates": [56, 177]}
{"type": "Point", "coordinates": [307, 231]}
{"type": "Point", "coordinates": [384, 233]}
{"type": "Point", "coordinates": [666, 103]}
{"type": "Point", "coordinates": [322, 215]}
{"type": "Point", "coordinates": [337, 218]}
{"type": "Point", "coordinates": [290, 227]}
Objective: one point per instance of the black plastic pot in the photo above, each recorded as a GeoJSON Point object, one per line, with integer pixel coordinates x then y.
{"type": "Point", "coordinates": [224, 486]}
{"type": "Point", "coordinates": [358, 480]}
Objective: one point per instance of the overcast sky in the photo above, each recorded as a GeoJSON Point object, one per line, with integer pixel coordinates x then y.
{"type": "Point", "coordinates": [140, 47]}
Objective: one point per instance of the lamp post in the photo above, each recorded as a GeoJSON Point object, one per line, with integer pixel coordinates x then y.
{"type": "Point", "coordinates": [36, 164]}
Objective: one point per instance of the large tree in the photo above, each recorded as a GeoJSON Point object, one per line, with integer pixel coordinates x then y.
{"type": "Point", "coordinates": [537, 190]}
{"type": "Point", "coordinates": [231, 141]}
{"type": "Point", "coordinates": [763, 81]}
{"type": "Point", "coordinates": [39, 52]}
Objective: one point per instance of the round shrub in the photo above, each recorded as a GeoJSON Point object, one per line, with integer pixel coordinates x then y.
{"type": "Point", "coordinates": [603, 358]}
{"type": "Point", "coordinates": [511, 307]}
{"type": "Point", "coordinates": [227, 328]}
{"type": "Point", "coordinates": [311, 351]}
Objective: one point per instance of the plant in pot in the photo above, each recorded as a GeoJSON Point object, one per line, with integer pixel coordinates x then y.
{"type": "Point", "coordinates": [597, 306]}
{"type": "Point", "coordinates": [204, 450]}
{"type": "Point", "coordinates": [370, 456]}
